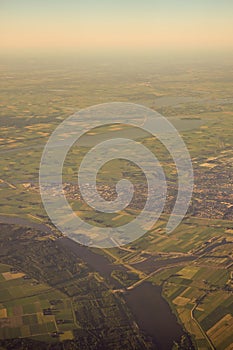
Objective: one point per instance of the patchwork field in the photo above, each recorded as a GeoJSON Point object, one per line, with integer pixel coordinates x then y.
{"type": "Point", "coordinates": [201, 296]}
{"type": "Point", "coordinates": [49, 294]}
{"type": "Point", "coordinates": [24, 302]}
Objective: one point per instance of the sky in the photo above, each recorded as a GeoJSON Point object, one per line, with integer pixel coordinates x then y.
{"type": "Point", "coordinates": [84, 25]}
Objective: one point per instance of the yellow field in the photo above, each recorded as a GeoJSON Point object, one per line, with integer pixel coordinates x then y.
{"type": "Point", "coordinates": [3, 313]}
{"type": "Point", "coordinates": [216, 332]}
{"type": "Point", "coordinates": [68, 335]}
{"type": "Point", "coordinates": [12, 276]}
{"type": "Point", "coordinates": [189, 271]}
{"type": "Point", "coordinates": [181, 301]}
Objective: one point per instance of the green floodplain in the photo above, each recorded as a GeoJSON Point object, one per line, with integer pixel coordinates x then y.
{"type": "Point", "coordinates": [52, 295]}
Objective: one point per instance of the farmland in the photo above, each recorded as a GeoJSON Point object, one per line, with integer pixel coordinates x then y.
{"type": "Point", "coordinates": [22, 304]}
{"type": "Point", "coordinates": [55, 294]}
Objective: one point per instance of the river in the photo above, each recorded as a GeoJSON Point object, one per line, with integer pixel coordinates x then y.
{"type": "Point", "coordinates": [153, 315]}
{"type": "Point", "coordinates": [150, 310]}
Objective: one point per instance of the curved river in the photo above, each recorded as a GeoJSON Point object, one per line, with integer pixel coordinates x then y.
{"type": "Point", "coordinates": [150, 310]}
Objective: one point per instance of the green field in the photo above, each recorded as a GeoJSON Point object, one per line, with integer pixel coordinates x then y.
{"type": "Point", "coordinates": [21, 309]}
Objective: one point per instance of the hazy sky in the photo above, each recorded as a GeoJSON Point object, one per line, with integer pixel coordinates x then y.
{"type": "Point", "coordinates": [101, 24]}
